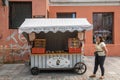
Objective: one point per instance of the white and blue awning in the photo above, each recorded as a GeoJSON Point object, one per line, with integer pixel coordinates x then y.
{"type": "Point", "coordinates": [54, 25]}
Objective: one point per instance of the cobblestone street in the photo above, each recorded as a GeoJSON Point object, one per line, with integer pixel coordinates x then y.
{"type": "Point", "coordinates": [22, 71]}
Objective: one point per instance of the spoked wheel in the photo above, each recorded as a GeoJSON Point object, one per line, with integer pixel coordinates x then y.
{"type": "Point", "coordinates": [80, 68]}
{"type": "Point", "coordinates": [34, 71]}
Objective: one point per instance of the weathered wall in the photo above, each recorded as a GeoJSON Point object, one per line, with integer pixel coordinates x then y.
{"type": "Point", "coordinates": [10, 37]}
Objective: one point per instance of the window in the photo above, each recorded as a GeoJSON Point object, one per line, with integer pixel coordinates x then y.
{"type": "Point", "coordinates": [66, 15]}
{"type": "Point", "coordinates": [103, 25]}
{"type": "Point", "coordinates": [18, 11]}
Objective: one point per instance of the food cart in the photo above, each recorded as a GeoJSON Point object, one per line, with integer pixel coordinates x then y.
{"type": "Point", "coordinates": [56, 43]}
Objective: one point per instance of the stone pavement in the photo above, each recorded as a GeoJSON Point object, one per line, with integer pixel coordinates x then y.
{"type": "Point", "coordinates": [22, 71]}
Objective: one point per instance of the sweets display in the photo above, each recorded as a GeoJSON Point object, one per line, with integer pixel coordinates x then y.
{"type": "Point", "coordinates": [39, 46]}
{"type": "Point", "coordinates": [74, 45]}
{"type": "Point", "coordinates": [40, 43]}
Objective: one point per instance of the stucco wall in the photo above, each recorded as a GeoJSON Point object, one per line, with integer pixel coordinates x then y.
{"type": "Point", "coordinates": [10, 37]}
{"type": "Point", "coordinates": [87, 12]}
{"type": "Point", "coordinates": [40, 7]}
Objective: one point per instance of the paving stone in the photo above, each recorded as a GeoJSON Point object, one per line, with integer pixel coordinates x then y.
{"type": "Point", "coordinates": [22, 71]}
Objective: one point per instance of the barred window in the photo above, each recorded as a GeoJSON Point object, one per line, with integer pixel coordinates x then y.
{"type": "Point", "coordinates": [18, 11]}
{"type": "Point", "coordinates": [103, 26]}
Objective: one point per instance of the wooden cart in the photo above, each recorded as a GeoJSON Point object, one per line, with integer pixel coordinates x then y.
{"type": "Point", "coordinates": [42, 58]}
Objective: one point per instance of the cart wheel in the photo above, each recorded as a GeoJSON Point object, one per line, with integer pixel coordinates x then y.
{"type": "Point", "coordinates": [80, 68]}
{"type": "Point", "coordinates": [35, 71]}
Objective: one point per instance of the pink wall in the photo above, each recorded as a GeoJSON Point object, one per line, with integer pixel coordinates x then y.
{"type": "Point", "coordinates": [10, 37]}
{"type": "Point", "coordinates": [87, 12]}
{"type": "Point", "coordinates": [40, 7]}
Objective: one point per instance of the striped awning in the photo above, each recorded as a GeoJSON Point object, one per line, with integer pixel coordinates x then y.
{"type": "Point", "coordinates": [54, 25]}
